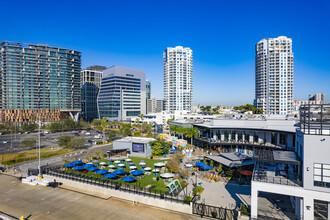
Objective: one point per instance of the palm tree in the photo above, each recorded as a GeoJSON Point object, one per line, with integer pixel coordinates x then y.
{"type": "Point", "coordinates": [191, 133]}
{"type": "Point", "coordinates": [174, 129]}
{"type": "Point", "coordinates": [181, 130]}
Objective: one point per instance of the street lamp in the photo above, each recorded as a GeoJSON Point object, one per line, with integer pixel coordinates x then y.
{"type": "Point", "coordinates": [39, 167]}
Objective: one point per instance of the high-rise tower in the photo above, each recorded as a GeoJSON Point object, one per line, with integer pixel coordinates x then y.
{"type": "Point", "coordinates": [178, 78]}
{"type": "Point", "coordinates": [274, 75]}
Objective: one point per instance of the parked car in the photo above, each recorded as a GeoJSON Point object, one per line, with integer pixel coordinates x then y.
{"type": "Point", "coordinates": [0, 133]}
{"type": "Point", "coordinates": [87, 133]}
{"type": "Point", "coordinates": [42, 134]}
{"type": "Point", "coordinates": [76, 134]}
{"type": "Point", "coordinates": [27, 132]}
{"type": "Point", "coordinates": [5, 142]}
{"type": "Point", "coordinates": [46, 132]}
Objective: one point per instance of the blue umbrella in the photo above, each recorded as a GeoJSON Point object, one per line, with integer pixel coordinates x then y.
{"type": "Point", "coordinates": [128, 179]}
{"type": "Point", "coordinates": [92, 168]}
{"type": "Point", "coordinates": [76, 162]}
{"type": "Point", "coordinates": [101, 171]}
{"type": "Point", "coordinates": [68, 165]}
{"type": "Point", "coordinates": [137, 172]}
{"type": "Point", "coordinates": [119, 172]}
{"type": "Point", "coordinates": [89, 165]}
{"type": "Point", "coordinates": [174, 150]}
{"type": "Point", "coordinates": [78, 168]}
{"type": "Point", "coordinates": [200, 164]}
{"type": "Point", "coordinates": [110, 175]}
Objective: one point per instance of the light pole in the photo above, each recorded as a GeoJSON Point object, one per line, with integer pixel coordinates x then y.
{"type": "Point", "coordinates": [39, 167]}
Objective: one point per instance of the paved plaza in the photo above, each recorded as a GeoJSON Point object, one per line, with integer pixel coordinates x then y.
{"type": "Point", "coordinates": [38, 202]}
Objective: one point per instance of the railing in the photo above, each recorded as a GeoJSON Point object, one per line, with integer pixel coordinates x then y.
{"type": "Point", "coordinates": [267, 144]}
{"type": "Point", "coordinates": [214, 212]}
{"type": "Point", "coordinates": [262, 177]}
{"type": "Point", "coordinates": [114, 185]}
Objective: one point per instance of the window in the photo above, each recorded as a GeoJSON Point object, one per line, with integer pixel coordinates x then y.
{"type": "Point", "coordinates": [137, 147]}
{"type": "Point", "coordinates": [322, 175]}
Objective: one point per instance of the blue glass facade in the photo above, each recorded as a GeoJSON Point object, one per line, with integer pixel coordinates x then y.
{"type": "Point", "coordinates": [121, 93]}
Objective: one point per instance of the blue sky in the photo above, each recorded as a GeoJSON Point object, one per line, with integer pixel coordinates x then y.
{"type": "Point", "coordinates": [222, 35]}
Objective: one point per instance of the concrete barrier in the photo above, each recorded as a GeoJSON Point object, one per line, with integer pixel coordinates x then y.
{"type": "Point", "coordinates": [106, 192]}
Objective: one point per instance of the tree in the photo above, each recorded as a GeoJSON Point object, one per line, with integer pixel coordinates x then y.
{"type": "Point", "coordinates": [142, 115]}
{"type": "Point", "coordinates": [145, 127]}
{"type": "Point", "coordinates": [198, 190]}
{"type": "Point", "coordinates": [96, 122]}
{"type": "Point", "coordinates": [63, 141]}
{"type": "Point", "coordinates": [137, 120]}
{"type": "Point", "coordinates": [168, 120]}
{"type": "Point", "coordinates": [174, 129]}
{"type": "Point", "coordinates": [220, 169]}
{"type": "Point", "coordinates": [98, 154]}
{"type": "Point", "coordinates": [211, 163]}
{"type": "Point", "coordinates": [173, 164]}
{"type": "Point", "coordinates": [28, 143]}
{"type": "Point", "coordinates": [184, 173]}
{"type": "Point", "coordinates": [181, 131]}
{"type": "Point", "coordinates": [110, 134]}
{"type": "Point", "coordinates": [157, 149]}
{"type": "Point", "coordinates": [137, 134]}
{"type": "Point", "coordinates": [88, 157]}
{"type": "Point", "coordinates": [191, 133]}
{"type": "Point", "coordinates": [248, 107]}
{"type": "Point", "coordinates": [29, 127]}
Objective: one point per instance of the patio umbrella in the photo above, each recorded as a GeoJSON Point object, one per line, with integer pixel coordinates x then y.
{"type": "Point", "coordinates": [68, 165]}
{"type": "Point", "coordinates": [110, 175]}
{"type": "Point", "coordinates": [119, 172]}
{"type": "Point", "coordinates": [78, 168]}
{"type": "Point", "coordinates": [137, 172]}
{"type": "Point", "coordinates": [173, 150]}
{"type": "Point", "coordinates": [89, 165]}
{"type": "Point", "coordinates": [92, 168]}
{"type": "Point", "coordinates": [167, 175]}
{"type": "Point", "coordinates": [132, 167]}
{"type": "Point", "coordinates": [147, 168]}
{"type": "Point", "coordinates": [247, 172]}
{"type": "Point", "coordinates": [159, 164]}
{"type": "Point", "coordinates": [77, 162]}
{"type": "Point", "coordinates": [142, 163]}
{"type": "Point", "coordinates": [112, 166]}
{"type": "Point", "coordinates": [101, 171]}
{"type": "Point", "coordinates": [117, 161]}
{"type": "Point", "coordinates": [199, 164]}
{"type": "Point", "coordinates": [155, 170]}
{"type": "Point", "coordinates": [103, 163]}
{"type": "Point", "coordinates": [128, 179]}
{"type": "Point", "coordinates": [121, 165]}
{"type": "Point", "coordinates": [128, 159]}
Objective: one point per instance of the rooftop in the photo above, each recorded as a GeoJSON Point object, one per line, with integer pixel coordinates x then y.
{"type": "Point", "coordinates": [136, 139]}
{"type": "Point", "coordinates": [233, 159]}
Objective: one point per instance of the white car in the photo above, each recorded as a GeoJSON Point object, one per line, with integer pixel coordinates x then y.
{"type": "Point", "coordinates": [87, 133]}
{"type": "Point", "coordinates": [5, 142]}
{"type": "Point", "coordinates": [46, 132]}
{"type": "Point", "coordinates": [0, 133]}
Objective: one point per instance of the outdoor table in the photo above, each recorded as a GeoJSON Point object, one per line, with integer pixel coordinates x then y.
{"type": "Point", "coordinates": [167, 175]}
{"type": "Point", "coordinates": [128, 159]}
{"type": "Point", "coordinates": [112, 166]}
{"type": "Point", "coordinates": [147, 168]}
{"type": "Point", "coordinates": [159, 164]}
{"type": "Point", "coordinates": [132, 167]}
{"type": "Point", "coordinates": [117, 161]}
{"type": "Point", "coordinates": [121, 165]}
{"type": "Point", "coordinates": [155, 170]}
{"type": "Point", "coordinates": [142, 163]}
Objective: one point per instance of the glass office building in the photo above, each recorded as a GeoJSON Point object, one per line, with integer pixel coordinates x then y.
{"type": "Point", "coordinates": [91, 81]}
{"type": "Point", "coordinates": [122, 93]}
{"type": "Point", "coordinates": [39, 82]}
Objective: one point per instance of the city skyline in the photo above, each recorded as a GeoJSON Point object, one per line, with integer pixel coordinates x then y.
{"type": "Point", "coordinates": [224, 48]}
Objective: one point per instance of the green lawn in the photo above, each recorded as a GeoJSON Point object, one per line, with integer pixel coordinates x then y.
{"type": "Point", "coordinates": [143, 182]}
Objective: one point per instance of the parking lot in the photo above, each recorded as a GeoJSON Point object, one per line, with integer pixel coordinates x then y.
{"type": "Point", "coordinates": [48, 140]}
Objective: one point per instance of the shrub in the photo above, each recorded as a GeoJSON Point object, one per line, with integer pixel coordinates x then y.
{"type": "Point", "coordinates": [198, 190]}
{"type": "Point", "coordinates": [244, 209]}
{"type": "Point", "coordinates": [187, 200]}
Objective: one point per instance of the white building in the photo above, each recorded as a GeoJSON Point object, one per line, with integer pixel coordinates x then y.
{"type": "Point", "coordinates": [178, 78]}
{"type": "Point", "coordinates": [318, 97]}
{"type": "Point", "coordinates": [303, 174]}
{"type": "Point", "coordinates": [154, 105]}
{"type": "Point", "coordinates": [274, 75]}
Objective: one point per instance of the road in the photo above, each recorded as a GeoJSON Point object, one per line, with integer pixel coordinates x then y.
{"type": "Point", "coordinates": [37, 202]}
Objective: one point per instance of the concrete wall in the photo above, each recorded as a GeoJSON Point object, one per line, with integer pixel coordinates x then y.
{"type": "Point", "coordinates": [95, 190]}
{"type": "Point", "coordinates": [316, 150]}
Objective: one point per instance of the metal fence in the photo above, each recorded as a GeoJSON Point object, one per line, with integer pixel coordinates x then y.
{"type": "Point", "coordinates": [214, 212]}
{"type": "Point", "coordinates": [114, 185]}
{"type": "Point", "coordinates": [276, 180]}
